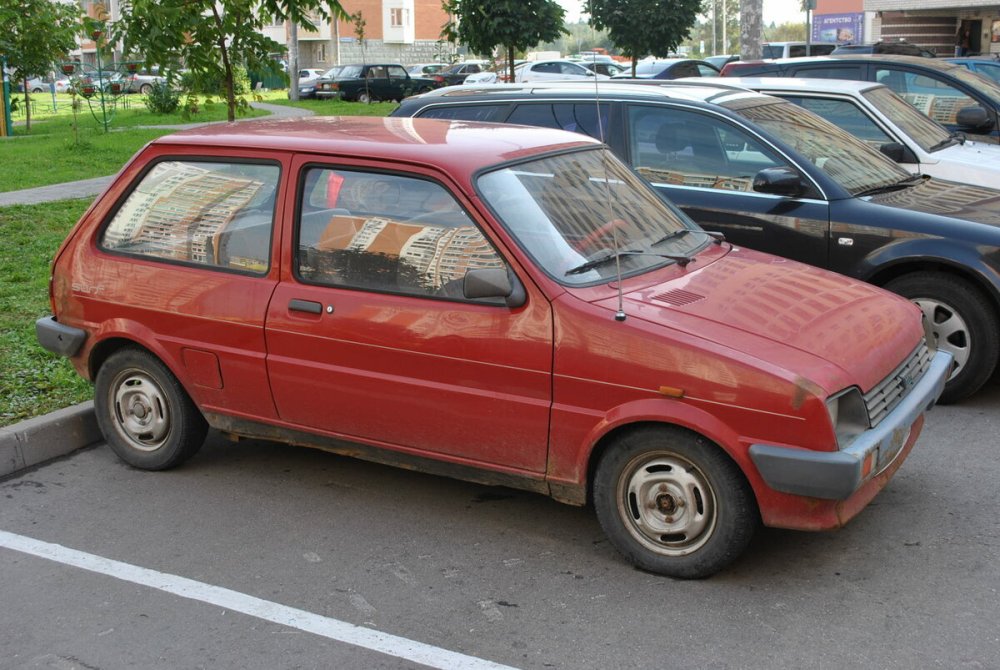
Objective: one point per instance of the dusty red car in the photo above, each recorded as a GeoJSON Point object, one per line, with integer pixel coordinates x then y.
{"type": "Point", "coordinates": [502, 304]}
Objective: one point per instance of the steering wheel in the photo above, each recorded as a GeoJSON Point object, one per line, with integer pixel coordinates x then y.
{"type": "Point", "coordinates": [594, 236]}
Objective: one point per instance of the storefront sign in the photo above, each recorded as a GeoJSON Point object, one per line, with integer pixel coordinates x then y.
{"type": "Point", "coordinates": [840, 28]}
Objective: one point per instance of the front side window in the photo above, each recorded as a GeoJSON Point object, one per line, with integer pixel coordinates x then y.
{"type": "Point", "coordinates": [464, 112]}
{"type": "Point", "coordinates": [213, 214]}
{"type": "Point", "coordinates": [577, 213]}
{"type": "Point", "coordinates": [934, 97]}
{"type": "Point", "coordinates": [676, 147]}
{"type": "Point", "coordinates": [387, 233]}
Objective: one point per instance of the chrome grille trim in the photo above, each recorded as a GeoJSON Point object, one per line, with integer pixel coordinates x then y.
{"type": "Point", "coordinates": [888, 393]}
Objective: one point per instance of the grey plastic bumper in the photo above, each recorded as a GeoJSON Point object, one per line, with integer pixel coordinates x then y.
{"type": "Point", "coordinates": [836, 475]}
{"type": "Point", "coordinates": [58, 338]}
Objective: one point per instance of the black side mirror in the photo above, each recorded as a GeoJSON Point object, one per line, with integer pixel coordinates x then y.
{"type": "Point", "coordinates": [779, 181]}
{"type": "Point", "coordinates": [974, 117]}
{"type": "Point", "coordinates": [483, 283]}
{"type": "Point", "coordinates": [898, 152]}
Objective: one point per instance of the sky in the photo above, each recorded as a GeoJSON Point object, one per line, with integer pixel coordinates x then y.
{"type": "Point", "coordinates": [775, 11]}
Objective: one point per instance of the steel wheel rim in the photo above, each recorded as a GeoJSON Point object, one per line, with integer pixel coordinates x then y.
{"type": "Point", "coordinates": [667, 504]}
{"type": "Point", "coordinates": [949, 329]}
{"type": "Point", "coordinates": [140, 410]}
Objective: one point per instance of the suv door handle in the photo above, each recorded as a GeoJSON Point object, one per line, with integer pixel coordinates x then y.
{"type": "Point", "coordinates": [298, 305]}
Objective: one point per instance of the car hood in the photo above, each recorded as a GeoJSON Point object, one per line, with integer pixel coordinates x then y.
{"type": "Point", "coordinates": [828, 328]}
{"type": "Point", "coordinates": [947, 198]}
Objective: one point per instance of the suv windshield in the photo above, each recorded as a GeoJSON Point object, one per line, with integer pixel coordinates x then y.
{"type": "Point", "coordinates": [847, 160]}
{"type": "Point", "coordinates": [929, 134]}
{"type": "Point", "coordinates": [582, 208]}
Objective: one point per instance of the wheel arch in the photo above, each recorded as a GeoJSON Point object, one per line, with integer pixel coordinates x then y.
{"type": "Point", "coordinates": [972, 270]}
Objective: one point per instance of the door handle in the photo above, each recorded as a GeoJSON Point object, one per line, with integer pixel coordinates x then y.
{"type": "Point", "coordinates": [298, 305]}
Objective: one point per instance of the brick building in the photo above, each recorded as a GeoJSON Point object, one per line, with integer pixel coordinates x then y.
{"type": "Point", "coordinates": [932, 24]}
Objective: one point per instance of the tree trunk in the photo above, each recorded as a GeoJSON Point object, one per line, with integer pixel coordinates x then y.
{"type": "Point", "coordinates": [751, 29]}
{"type": "Point", "coordinates": [293, 60]}
{"type": "Point", "coordinates": [27, 107]}
{"type": "Point", "coordinates": [224, 50]}
{"type": "Point", "coordinates": [510, 62]}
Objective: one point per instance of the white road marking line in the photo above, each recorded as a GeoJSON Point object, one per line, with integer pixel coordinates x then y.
{"type": "Point", "coordinates": [342, 631]}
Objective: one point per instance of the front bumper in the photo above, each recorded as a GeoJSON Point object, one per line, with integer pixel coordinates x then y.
{"type": "Point", "coordinates": [835, 475]}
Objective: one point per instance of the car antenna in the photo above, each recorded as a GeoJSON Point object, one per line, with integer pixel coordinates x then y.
{"type": "Point", "coordinates": [620, 314]}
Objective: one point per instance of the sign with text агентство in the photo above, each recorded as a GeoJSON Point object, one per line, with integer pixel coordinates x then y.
{"type": "Point", "coordinates": [840, 28]}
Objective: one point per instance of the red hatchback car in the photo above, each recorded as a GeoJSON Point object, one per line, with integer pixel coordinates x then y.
{"type": "Point", "coordinates": [503, 304]}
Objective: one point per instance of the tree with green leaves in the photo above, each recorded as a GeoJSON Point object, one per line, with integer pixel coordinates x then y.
{"type": "Point", "coordinates": [514, 25]}
{"type": "Point", "coordinates": [644, 27]}
{"type": "Point", "coordinates": [34, 34]}
{"type": "Point", "coordinates": [214, 37]}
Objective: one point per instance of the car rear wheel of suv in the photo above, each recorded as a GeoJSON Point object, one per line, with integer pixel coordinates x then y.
{"type": "Point", "coordinates": [673, 503]}
{"type": "Point", "coordinates": [144, 413]}
{"type": "Point", "coordinates": [964, 323]}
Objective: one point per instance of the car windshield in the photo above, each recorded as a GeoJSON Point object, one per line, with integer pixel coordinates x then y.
{"type": "Point", "coordinates": [929, 134]}
{"type": "Point", "coordinates": [349, 72]}
{"type": "Point", "coordinates": [847, 160]}
{"type": "Point", "coordinates": [333, 72]}
{"type": "Point", "coordinates": [567, 216]}
{"type": "Point", "coordinates": [991, 70]}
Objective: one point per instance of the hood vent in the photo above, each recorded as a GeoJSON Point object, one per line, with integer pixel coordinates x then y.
{"type": "Point", "coordinates": [678, 298]}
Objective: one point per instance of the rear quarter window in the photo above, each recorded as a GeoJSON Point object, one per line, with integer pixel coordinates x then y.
{"type": "Point", "coordinates": [213, 214]}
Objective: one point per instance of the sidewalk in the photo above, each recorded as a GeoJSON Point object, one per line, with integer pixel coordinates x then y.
{"type": "Point", "coordinates": [34, 441]}
{"type": "Point", "coordinates": [91, 187]}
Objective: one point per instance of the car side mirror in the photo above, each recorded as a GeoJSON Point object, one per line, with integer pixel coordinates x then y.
{"type": "Point", "coordinates": [973, 117]}
{"type": "Point", "coordinates": [493, 283]}
{"type": "Point", "coordinates": [779, 181]}
{"type": "Point", "coordinates": [898, 152]}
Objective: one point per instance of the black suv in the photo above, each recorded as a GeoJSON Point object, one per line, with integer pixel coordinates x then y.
{"type": "Point", "coordinates": [955, 97]}
{"type": "Point", "coordinates": [775, 177]}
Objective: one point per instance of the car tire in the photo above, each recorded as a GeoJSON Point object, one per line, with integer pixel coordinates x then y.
{"type": "Point", "coordinates": [673, 503]}
{"type": "Point", "coordinates": [965, 323]}
{"type": "Point", "coordinates": [145, 415]}
{"type": "Point", "coordinates": [365, 97]}
{"type": "Point", "coordinates": [146, 89]}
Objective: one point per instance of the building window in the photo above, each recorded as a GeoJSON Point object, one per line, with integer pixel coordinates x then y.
{"type": "Point", "coordinates": [319, 52]}
{"type": "Point", "coordinates": [399, 17]}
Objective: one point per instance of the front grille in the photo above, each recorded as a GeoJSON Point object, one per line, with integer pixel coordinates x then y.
{"type": "Point", "coordinates": [888, 393]}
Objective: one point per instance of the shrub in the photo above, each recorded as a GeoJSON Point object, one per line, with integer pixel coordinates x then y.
{"type": "Point", "coordinates": [200, 82]}
{"type": "Point", "coordinates": [162, 99]}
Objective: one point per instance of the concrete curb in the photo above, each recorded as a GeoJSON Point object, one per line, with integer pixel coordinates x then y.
{"type": "Point", "coordinates": [44, 438]}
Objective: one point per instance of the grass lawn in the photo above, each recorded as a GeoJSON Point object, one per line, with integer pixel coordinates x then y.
{"type": "Point", "coordinates": [32, 381]}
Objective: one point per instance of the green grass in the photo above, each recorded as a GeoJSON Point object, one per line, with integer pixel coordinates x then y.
{"type": "Point", "coordinates": [32, 381]}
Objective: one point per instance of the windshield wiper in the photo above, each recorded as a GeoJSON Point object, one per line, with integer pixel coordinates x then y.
{"type": "Point", "coordinates": [612, 256]}
{"type": "Point", "coordinates": [953, 139]}
{"type": "Point", "coordinates": [719, 238]}
{"type": "Point", "coordinates": [887, 188]}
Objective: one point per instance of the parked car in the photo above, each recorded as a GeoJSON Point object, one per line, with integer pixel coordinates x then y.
{"type": "Point", "coordinates": [310, 73]}
{"type": "Point", "coordinates": [671, 68]}
{"type": "Point", "coordinates": [900, 48]}
{"type": "Point", "coordinates": [371, 83]}
{"type": "Point", "coordinates": [425, 69]}
{"type": "Point", "coordinates": [981, 65]}
{"type": "Point", "coordinates": [307, 87]}
{"type": "Point", "coordinates": [874, 114]}
{"type": "Point", "coordinates": [554, 70]}
{"type": "Point", "coordinates": [721, 60]}
{"type": "Point", "coordinates": [958, 99]}
{"type": "Point", "coordinates": [605, 68]}
{"type": "Point", "coordinates": [142, 81]}
{"type": "Point", "coordinates": [795, 49]}
{"type": "Point", "coordinates": [456, 73]}
{"type": "Point", "coordinates": [777, 178]}
{"type": "Point", "coordinates": [389, 288]}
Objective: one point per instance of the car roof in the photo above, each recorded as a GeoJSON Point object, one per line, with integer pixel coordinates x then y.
{"type": "Point", "coordinates": [933, 63]}
{"type": "Point", "coordinates": [458, 147]}
{"type": "Point", "coordinates": [844, 86]}
{"type": "Point", "coordinates": [693, 89]}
